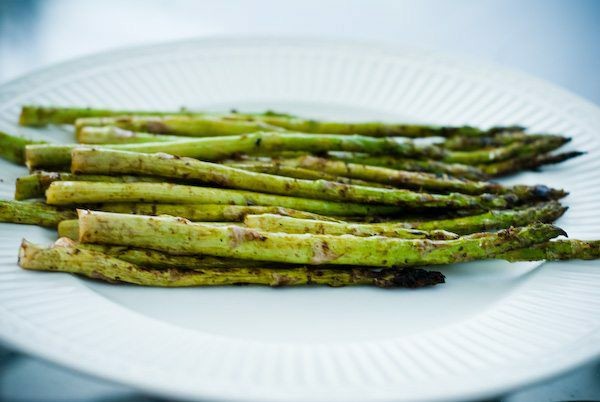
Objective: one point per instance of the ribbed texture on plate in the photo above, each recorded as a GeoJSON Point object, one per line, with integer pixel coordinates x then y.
{"type": "Point", "coordinates": [546, 324]}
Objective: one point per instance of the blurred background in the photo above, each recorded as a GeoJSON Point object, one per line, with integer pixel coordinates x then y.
{"type": "Point", "coordinates": [556, 40]}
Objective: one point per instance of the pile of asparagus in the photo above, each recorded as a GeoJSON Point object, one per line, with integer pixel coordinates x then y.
{"type": "Point", "coordinates": [197, 199]}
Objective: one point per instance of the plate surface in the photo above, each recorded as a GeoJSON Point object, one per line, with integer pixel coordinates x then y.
{"type": "Point", "coordinates": [491, 327]}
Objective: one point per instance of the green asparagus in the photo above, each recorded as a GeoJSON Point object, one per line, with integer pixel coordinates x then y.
{"type": "Point", "coordinates": [33, 213]}
{"type": "Point", "coordinates": [492, 220]}
{"type": "Point", "coordinates": [518, 164]}
{"type": "Point", "coordinates": [66, 256]}
{"type": "Point", "coordinates": [78, 193]}
{"type": "Point", "coordinates": [555, 251]}
{"type": "Point", "coordinates": [115, 135]}
{"type": "Point", "coordinates": [430, 166]}
{"type": "Point", "coordinates": [37, 116]}
{"type": "Point", "coordinates": [105, 161]}
{"type": "Point", "coordinates": [184, 125]}
{"type": "Point", "coordinates": [12, 148]}
{"type": "Point", "coordinates": [419, 180]}
{"type": "Point", "coordinates": [218, 148]}
{"type": "Point", "coordinates": [35, 185]}
{"type": "Point", "coordinates": [180, 236]}
{"type": "Point", "coordinates": [277, 223]}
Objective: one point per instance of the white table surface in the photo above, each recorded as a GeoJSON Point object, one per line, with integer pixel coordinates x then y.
{"type": "Point", "coordinates": [557, 40]}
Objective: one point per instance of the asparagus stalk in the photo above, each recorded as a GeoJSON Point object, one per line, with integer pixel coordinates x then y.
{"type": "Point", "coordinates": [38, 116]}
{"type": "Point", "coordinates": [66, 256]}
{"type": "Point", "coordinates": [419, 180]}
{"type": "Point", "coordinates": [549, 251]}
{"type": "Point", "coordinates": [116, 135]}
{"type": "Point", "coordinates": [298, 173]}
{"type": "Point", "coordinates": [107, 135]}
{"type": "Point", "coordinates": [492, 220]}
{"type": "Point", "coordinates": [12, 148]}
{"type": "Point", "coordinates": [277, 223]}
{"type": "Point", "coordinates": [68, 228]}
{"type": "Point", "coordinates": [555, 251]}
{"type": "Point", "coordinates": [78, 193]}
{"type": "Point", "coordinates": [483, 156]}
{"type": "Point", "coordinates": [107, 161]}
{"type": "Point", "coordinates": [35, 185]}
{"type": "Point", "coordinates": [33, 213]}
{"type": "Point", "coordinates": [180, 236]}
{"type": "Point", "coordinates": [379, 129]}
{"type": "Point", "coordinates": [208, 212]}
{"type": "Point", "coordinates": [218, 148]}
{"type": "Point", "coordinates": [34, 115]}
{"type": "Point", "coordinates": [430, 166]}
{"type": "Point", "coordinates": [184, 125]}
{"type": "Point", "coordinates": [518, 164]}
{"type": "Point", "coordinates": [499, 140]}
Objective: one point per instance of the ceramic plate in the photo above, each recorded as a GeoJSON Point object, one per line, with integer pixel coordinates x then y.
{"type": "Point", "coordinates": [493, 326]}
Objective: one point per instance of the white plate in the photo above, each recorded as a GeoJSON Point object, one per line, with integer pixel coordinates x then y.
{"type": "Point", "coordinates": [492, 327]}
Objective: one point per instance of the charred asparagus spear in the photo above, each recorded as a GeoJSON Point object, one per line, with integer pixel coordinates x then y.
{"type": "Point", "coordinates": [35, 185]}
{"type": "Point", "coordinates": [429, 166]}
{"type": "Point", "coordinates": [83, 193]}
{"type": "Point", "coordinates": [105, 161]}
{"type": "Point", "coordinates": [218, 148]}
{"type": "Point", "coordinates": [473, 143]}
{"type": "Point", "coordinates": [66, 256]}
{"type": "Point", "coordinates": [12, 148]}
{"type": "Point", "coordinates": [36, 115]}
{"type": "Point", "coordinates": [180, 236]}
{"type": "Point", "coordinates": [116, 135]}
{"type": "Point", "coordinates": [518, 164]}
{"type": "Point", "coordinates": [277, 223]}
{"type": "Point", "coordinates": [419, 180]}
{"type": "Point", "coordinates": [32, 115]}
{"type": "Point", "coordinates": [33, 213]}
{"type": "Point", "coordinates": [299, 173]}
{"type": "Point", "coordinates": [492, 220]}
{"type": "Point", "coordinates": [183, 125]}
{"type": "Point", "coordinates": [555, 251]}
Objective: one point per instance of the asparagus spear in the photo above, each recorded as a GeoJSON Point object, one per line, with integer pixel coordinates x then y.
{"type": "Point", "coordinates": [34, 185]}
{"type": "Point", "coordinates": [419, 180]}
{"type": "Point", "coordinates": [549, 251]}
{"type": "Point", "coordinates": [185, 125]}
{"type": "Point", "coordinates": [208, 212]}
{"type": "Point", "coordinates": [515, 165]}
{"type": "Point", "coordinates": [218, 148]}
{"type": "Point", "coordinates": [77, 193]}
{"type": "Point", "coordinates": [483, 156]}
{"type": "Point", "coordinates": [68, 228]}
{"type": "Point", "coordinates": [12, 148]}
{"type": "Point", "coordinates": [431, 166]}
{"type": "Point", "coordinates": [107, 135]}
{"type": "Point", "coordinates": [492, 220]}
{"type": "Point", "coordinates": [298, 173]}
{"type": "Point", "coordinates": [277, 223]}
{"type": "Point", "coordinates": [556, 250]}
{"type": "Point", "coordinates": [499, 140]}
{"type": "Point", "coordinates": [90, 160]}
{"type": "Point", "coordinates": [66, 256]}
{"type": "Point", "coordinates": [34, 115]}
{"type": "Point", "coordinates": [116, 135]}
{"type": "Point", "coordinates": [180, 236]}
{"type": "Point", "coordinates": [33, 213]}
{"type": "Point", "coordinates": [378, 129]}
